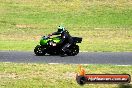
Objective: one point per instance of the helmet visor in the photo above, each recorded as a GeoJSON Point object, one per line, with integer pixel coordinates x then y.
{"type": "Point", "coordinates": [60, 30]}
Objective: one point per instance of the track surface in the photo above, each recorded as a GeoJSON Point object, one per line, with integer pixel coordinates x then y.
{"type": "Point", "coordinates": [120, 58]}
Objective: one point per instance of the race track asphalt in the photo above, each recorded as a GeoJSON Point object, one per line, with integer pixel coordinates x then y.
{"type": "Point", "coordinates": [118, 58]}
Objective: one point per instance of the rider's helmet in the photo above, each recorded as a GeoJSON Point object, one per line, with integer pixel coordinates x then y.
{"type": "Point", "coordinates": [61, 29]}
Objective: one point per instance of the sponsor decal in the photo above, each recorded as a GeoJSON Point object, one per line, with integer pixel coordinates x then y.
{"type": "Point", "coordinates": [83, 78]}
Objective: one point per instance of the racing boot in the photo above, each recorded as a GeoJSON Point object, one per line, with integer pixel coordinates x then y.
{"type": "Point", "coordinates": [62, 53]}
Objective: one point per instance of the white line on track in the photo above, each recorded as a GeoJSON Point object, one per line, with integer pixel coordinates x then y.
{"type": "Point", "coordinates": [88, 64]}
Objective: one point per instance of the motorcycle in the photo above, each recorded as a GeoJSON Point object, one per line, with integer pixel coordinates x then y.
{"type": "Point", "coordinates": [50, 46]}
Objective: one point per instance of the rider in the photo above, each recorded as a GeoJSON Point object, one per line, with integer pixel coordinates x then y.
{"type": "Point", "coordinates": [66, 38]}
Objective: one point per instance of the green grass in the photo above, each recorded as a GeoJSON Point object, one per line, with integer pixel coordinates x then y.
{"type": "Point", "coordinates": [17, 45]}
{"type": "Point", "coordinates": [14, 75]}
{"type": "Point", "coordinates": [104, 25]}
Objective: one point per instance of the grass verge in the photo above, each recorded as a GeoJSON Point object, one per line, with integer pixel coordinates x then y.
{"type": "Point", "coordinates": [31, 75]}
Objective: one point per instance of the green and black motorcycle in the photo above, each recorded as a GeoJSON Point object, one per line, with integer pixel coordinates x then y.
{"type": "Point", "coordinates": [50, 46]}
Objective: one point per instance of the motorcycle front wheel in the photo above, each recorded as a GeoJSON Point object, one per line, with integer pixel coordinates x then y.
{"type": "Point", "coordinates": [39, 51]}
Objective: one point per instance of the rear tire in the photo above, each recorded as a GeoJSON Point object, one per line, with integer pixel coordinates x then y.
{"type": "Point", "coordinates": [74, 50]}
{"type": "Point", "coordinates": [39, 51]}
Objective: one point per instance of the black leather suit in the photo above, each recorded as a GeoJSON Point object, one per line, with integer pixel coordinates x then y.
{"type": "Point", "coordinates": [66, 39]}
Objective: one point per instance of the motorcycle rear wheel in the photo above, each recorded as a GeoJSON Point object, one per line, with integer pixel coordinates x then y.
{"type": "Point", "coordinates": [74, 50]}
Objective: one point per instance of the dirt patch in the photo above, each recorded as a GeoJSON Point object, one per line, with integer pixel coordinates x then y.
{"type": "Point", "coordinates": [24, 26]}
{"type": "Point", "coordinates": [70, 75]}
{"type": "Point", "coordinates": [9, 75]}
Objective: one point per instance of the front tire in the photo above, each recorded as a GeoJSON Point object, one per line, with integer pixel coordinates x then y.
{"type": "Point", "coordinates": [74, 50]}
{"type": "Point", "coordinates": [39, 51]}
